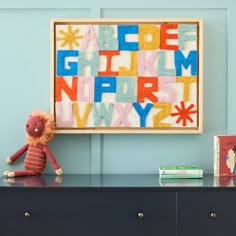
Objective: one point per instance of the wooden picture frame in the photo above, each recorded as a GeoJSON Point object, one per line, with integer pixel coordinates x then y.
{"type": "Point", "coordinates": [127, 75]}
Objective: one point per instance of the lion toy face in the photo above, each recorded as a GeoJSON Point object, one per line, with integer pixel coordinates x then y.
{"type": "Point", "coordinates": [35, 126]}
{"type": "Point", "coordinates": [39, 128]}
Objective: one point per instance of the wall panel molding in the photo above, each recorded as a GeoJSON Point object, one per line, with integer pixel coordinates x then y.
{"type": "Point", "coordinates": [55, 4]}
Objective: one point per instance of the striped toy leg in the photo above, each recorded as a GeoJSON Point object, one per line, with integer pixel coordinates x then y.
{"type": "Point", "coordinates": [15, 173]}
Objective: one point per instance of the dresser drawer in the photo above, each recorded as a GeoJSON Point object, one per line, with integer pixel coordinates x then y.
{"type": "Point", "coordinates": [61, 212]}
{"type": "Point", "coordinates": [206, 213]}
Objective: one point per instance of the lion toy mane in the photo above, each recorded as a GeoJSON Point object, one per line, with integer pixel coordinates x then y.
{"type": "Point", "coordinates": [39, 131]}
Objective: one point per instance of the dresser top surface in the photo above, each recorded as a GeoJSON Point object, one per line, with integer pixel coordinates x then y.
{"type": "Point", "coordinates": [116, 181]}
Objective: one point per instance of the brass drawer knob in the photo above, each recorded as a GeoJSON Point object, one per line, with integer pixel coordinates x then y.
{"type": "Point", "coordinates": [213, 215]}
{"type": "Point", "coordinates": [140, 215]}
{"type": "Point", "coordinates": [27, 214]}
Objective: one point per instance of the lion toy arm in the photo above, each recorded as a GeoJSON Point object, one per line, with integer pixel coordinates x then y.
{"type": "Point", "coordinates": [52, 160]}
{"type": "Point", "coordinates": [17, 154]}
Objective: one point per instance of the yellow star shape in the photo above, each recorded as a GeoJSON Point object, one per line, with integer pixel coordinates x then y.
{"type": "Point", "coordinates": [70, 37]}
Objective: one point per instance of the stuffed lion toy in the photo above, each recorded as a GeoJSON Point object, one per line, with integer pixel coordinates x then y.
{"type": "Point", "coordinates": [39, 131]}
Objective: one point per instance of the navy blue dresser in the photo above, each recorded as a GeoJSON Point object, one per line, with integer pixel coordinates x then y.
{"type": "Point", "coordinates": [116, 205]}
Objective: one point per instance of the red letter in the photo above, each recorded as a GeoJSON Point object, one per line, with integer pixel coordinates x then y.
{"type": "Point", "coordinates": [165, 36]}
{"type": "Point", "coordinates": [147, 92]}
{"type": "Point", "coordinates": [61, 85]}
{"type": "Point", "coordinates": [109, 55]}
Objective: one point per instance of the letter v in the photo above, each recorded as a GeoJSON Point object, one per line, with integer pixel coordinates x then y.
{"type": "Point", "coordinates": [81, 122]}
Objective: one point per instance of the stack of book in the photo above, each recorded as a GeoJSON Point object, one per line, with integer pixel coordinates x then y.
{"type": "Point", "coordinates": [181, 172]}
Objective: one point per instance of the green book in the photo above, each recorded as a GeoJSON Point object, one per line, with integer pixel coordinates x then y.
{"type": "Point", "coordinates": [180, 170]}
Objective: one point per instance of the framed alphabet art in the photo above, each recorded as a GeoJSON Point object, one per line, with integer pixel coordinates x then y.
{"type": "Point", "coordinates": [127, 75]}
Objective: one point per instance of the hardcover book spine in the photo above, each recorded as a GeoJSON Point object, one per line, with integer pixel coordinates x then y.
{"type": "Point", "coordinates": [216, 156]}
{"type": "Point", "coordinates": [187, 171]}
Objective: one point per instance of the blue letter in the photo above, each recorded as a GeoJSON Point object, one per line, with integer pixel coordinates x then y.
{"type": "Point", "coordinates": [61, 55]}
{"type": "Point", "coordinates": [104, 85]}
{"type": "Point", "coordinates": [122, 31]}
{"type": "Point", "coordinates": [106, 39]}
{"type": "Point", "coordinates": [125, 88]}
{"type": "Point", "coordinates": [181, 60]}
{"type": "Point", "coordinates": [142, 112]}
{"type": "Point", "coordinates": [92, 63]}
{"type": "Point", "coordinates": [102, 113]}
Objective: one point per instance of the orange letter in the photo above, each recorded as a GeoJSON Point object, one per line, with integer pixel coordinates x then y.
{"type": "Point", "coordinates": [147, 91]}
{"type": "Point", "coordinates": [61, 85]}
{"type": "Point", "coordinates": [109, 55]}
{"type": "Point", "coordinates": [165, 36]}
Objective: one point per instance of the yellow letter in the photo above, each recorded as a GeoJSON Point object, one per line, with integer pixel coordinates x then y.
{"type": "Point", "coordinates": [186, 80]}
{"type": "Point", "coordinates": [133, 66]}
{"type": "Point", "coordinates": [148, 30]}
{"type": "Point", "coordinates": [163, 113]}
{"type": "Point", "coordinates": [81, 122]}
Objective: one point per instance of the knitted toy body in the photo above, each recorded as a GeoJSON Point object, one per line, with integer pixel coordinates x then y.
{"type": "Point", "coordinates": [35, 160]}
{"type": "Point", "coordinates": [39, 128]}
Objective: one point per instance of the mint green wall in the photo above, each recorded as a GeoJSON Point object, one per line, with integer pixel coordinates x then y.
{"type": "Point", "coordinates": [25, 85]}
